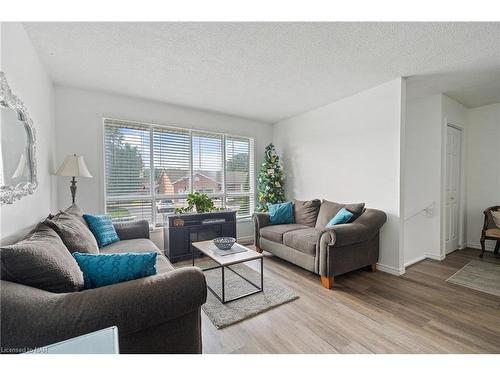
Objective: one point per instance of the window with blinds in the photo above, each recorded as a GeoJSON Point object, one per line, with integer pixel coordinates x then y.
{"type": "Point", "coordinates": [207, 163]}
{"type": "Point", "coordinates": [150, 169]}
{"type": "Point", "coordinates": [239, 174]}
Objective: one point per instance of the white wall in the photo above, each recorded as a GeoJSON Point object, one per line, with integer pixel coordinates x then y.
{"type": "Point", "coordinates": [422, 175]}
{"type": "Point", "coordinates": [28, 80]}
{"type": "Point", "coordinates": [349, 151]}
{"type": "Point", "coordinates": [483, 168]}
{"type": "Point", "coordinates": [79, 115]}
{"type": "Point", "coordinates": [425, 141]}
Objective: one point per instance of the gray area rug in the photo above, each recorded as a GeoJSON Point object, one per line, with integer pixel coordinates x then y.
{"type": "Point", "coordinates": [223, 315]}
{"type": "Point", "coordinates": [479, 275]}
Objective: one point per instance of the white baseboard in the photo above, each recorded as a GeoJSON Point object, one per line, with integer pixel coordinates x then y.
{"type": "Point", "coordinates": [419, 259]}
{"type": "Point", "coordinates": [487, 246]}
{"type": "Point", "coordinates": [434, 256]}
{"type": "Point", "coordinates": [245, 240]}
{"type": "Point", "coordinates": [389, 269]}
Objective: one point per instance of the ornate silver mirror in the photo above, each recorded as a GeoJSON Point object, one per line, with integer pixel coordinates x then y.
{"type": "Point", "coordinates": [17, 147]}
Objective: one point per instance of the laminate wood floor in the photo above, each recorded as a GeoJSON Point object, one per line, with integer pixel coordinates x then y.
{"type": "Point", "coordinates": [367, 312]}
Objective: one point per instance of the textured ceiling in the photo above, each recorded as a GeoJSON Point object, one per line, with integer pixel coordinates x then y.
{"type": "Point", "coordinates": [271, 71]}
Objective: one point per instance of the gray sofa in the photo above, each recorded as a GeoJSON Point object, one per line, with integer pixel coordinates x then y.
{"type": "Point", "coordinates": [155, 314]}
{"type": "Point", "coordinates": [327, 252]}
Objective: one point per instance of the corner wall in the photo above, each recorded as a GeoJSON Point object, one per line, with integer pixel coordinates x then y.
{"type": "Point", "coordinates": [349, 151]}
{"type": "Point", "coordinates": [29, 80]}
{"type": "Point", "coordinates": [422, 175]}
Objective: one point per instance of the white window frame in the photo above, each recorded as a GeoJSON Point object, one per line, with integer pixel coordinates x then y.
{"type": "Point", "coordinates": [153, 196]}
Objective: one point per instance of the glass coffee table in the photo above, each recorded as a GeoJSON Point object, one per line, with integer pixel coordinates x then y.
{"type": "Point", "coordinates": [226, 261]}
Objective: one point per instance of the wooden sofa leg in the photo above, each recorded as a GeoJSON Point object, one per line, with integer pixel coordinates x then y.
{"type": "Point", "coordinates": [374, 267]}
{"type": "Point", "coordinates": [327, 282]}
{"type": "Point", "coordinates": [258, 249]}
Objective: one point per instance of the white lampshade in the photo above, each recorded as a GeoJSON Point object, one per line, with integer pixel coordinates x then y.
{"type": "Point", "coordinates": [73, 165]}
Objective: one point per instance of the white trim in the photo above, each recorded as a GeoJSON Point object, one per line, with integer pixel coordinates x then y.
{"type": "Point", "coordinates": [435, 257]}
{"type": "Point", "coordinates": [401, 176]}
{"type": "Point", "coordinates": [411, 262]}
{"type": "Point", "coordinates": [152, 175]}
{"type": "Point", "coordinates": [245, 219]}
{"type": "Point", "coordinates": [187, 128]}
{"type": "Point", "coordinates": [389, 269]}
{"type": "Point", "coordinates": [245, 240]}
{"type": "Point", "coordinates": [462, 202]}
{"type": "Point", "coordinates": [476, 245]}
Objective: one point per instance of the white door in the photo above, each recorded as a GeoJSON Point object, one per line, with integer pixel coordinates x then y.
{"type": "Point", "coordinates": [452, 197]}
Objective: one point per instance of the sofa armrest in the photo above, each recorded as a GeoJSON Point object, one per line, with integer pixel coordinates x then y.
{"type": "Point", "coordinates": [132, 229]}
{"type": "Point", "coordinates": [363, 229]}
{"type": "Point", "coordinates": [32, 317]}
{"type": "Point", "coordinates": [260, 220]}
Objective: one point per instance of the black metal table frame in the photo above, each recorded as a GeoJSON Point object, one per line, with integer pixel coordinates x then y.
{"type": "Point", "coordinates": [223, 300]}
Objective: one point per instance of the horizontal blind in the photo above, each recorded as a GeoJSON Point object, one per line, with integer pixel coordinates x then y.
{"type": "Point", "coordinates": [243, 204]}
{"type": "Point", "coordinates": [127, 154]}
{"type": "Point", "coordinates": [129, 209]}
{"type": "Point", "coordinates": [150, 169]}
{"type": "Point", "coordinates": [239, 175]}
{"type": "Point", "coordinates": [207, 163]}
{"type": "Point", "coordinates": [237, 165]}
{"type": "Point", "coordinates": [127, 171]}
{"type": "Point", "coordinates": [172, 160]}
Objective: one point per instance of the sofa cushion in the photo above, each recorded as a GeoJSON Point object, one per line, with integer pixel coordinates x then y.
{"type": "Point", "coordinates": [138, 245]}
{"type": "Point", "coordinates": [108, 269]}
{"type": "Point", "coordinates": [41, 261]}
{"type": "Point", "coordinates": [303, 240]}
{"type": "Point", "coordinates": [102, 228]}
{"type": "Point", "coordinates": [329, 209]}
{"type": "Point", "coordinates": [306, 212]}
{"type": "Point", "coordinates": [75, 235]}
{"type": "Point", "coordinates": [495, 232]}
{"type": "Point", "coordinates": [275, 232]}
{"type": "Point", "coordinates": [342, 217]}
{"type": "Point", "coordinates": [75, 210]}
{"type": "Point", "coordinates": [281, 213]}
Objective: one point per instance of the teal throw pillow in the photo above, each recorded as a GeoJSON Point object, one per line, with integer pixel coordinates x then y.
{"type": "Point", "coordinates": [342, 217]}
{"type": "Point", "coordinates": [102, 228]}
{"type": "Point", "coordinates": [106, 269]}
{"type": "Point", "coordinates": [281, 213]}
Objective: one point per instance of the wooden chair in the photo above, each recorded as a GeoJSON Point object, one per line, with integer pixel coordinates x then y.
{"type": "Point", "coordinates": [490, 230]}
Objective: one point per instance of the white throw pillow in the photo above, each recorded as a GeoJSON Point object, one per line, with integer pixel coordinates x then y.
{"type": "Point", "coordinates": [496, 218]}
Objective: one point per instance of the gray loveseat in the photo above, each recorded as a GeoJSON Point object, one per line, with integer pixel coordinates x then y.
{"type": "Point", "coordinates": [155, 314]}
{"type": "Point", "coordinates": [327, 252]}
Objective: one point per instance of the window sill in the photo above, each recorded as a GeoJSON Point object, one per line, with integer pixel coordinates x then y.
{"type": "Point", "coordinates": [244, 219]}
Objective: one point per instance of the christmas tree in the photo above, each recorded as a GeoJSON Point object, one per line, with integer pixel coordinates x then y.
{"type": "Point", "coordinates": [271, 182]}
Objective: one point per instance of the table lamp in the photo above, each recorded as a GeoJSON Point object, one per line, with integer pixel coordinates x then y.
{"type": "Point", "coordinates": [73, 166]}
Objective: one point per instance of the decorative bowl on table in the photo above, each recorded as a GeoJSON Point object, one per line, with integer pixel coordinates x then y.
{"type": "Point", "coordinates": [224, 243]}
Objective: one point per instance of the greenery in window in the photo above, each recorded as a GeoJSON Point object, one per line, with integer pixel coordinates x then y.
{"type": "Point", "coordinates": [125, 157]}
{"type": "Point", "coordinates": [199, 201]}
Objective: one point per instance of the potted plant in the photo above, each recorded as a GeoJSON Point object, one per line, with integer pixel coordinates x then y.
{"type": "Point", "coordinates": [199, 202]}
